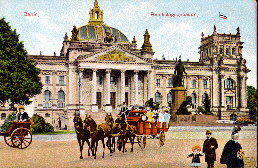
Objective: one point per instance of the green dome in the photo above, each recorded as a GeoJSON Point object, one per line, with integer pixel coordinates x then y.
{"type": "Point", "coordinates": [89, 32]}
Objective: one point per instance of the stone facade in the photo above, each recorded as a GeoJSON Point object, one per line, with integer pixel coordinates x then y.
{"type": "Point", "coordinates": [98, 69]}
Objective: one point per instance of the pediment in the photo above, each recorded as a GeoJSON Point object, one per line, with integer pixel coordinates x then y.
{"type": "Point", "coordinates": [113, 54]}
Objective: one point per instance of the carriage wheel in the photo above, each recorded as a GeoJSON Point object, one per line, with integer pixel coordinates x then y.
{"type": "Point", "coordinates": [8, 141]}
{"type": "Point", "coordinates": [162, 138]}
{"type": "Point", "coordinates": [21, 138]}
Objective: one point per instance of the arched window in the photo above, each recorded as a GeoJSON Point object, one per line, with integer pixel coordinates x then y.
{"type": "Point", "coordinates": [169, 98]}
{"type": "Point", "coordinates": [157, 97]}
{"type": "Point", "coordinates": [193, 83]}
{"type": "Point", "coordinates": [227, 51]}
{"type": "Point", "coordinates": [205, 84]}
{"type": "Point", "coordinates": [233, 50]}
{"type": "Point", "coordinates": [61, 99]}
{"type": "Point", "coordinates": [96, 15]}
{"type": "Point", "coordinates": [221, 50]}
{"type": "Point", "coordinates": [229, 83]}
{"type": "Point", "coordinates": [193, 100]}
{"type": "Point", "coordinates": [47, 99]}
{"type": "Point", "coordinates": [3, 116]}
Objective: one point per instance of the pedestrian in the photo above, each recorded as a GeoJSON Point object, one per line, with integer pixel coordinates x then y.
{"type": "Point", "coordinates": [161, 117]}
{"type": "Point", "coordinates": [209, 149]}
{"type": "Point", "coordinates": [196, 162]}
{"type": "Point", "coordinates": [156, 116]}
{"type": "Point", "coordinates": [167, 117]}
{"type": "Point", "coordinates": [232, 154]}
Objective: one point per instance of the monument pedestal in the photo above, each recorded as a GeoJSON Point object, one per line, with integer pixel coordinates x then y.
{"type": "Point", "coordinates": [178, 96]}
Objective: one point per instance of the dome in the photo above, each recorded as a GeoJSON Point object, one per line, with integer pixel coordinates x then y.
{"type": "Point", "coordinates": [102, 33]}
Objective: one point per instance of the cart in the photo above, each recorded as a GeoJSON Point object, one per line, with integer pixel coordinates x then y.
{"type": "Point", "coordinates": [18, 135]}
{"type": "Point", "coordinates": [146, 128]}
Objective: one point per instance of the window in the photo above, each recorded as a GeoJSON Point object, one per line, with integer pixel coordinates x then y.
{"type": "Point", "coordinates": [229, 102]}
{"type": "Point", "coordinates": [169, 98]}
{"type": "Point", "coordinates": [47, 79]}
{"type": "Point", "coordinates": [193, 83]}
{"type": "Point", "coordinates": [227, 51]}
{"type": "Point", "coordinates": [113, 80]}
{"type": "Point", "coordinates": [126, 81]}
{"type": "Point", "coordinates": [193, 100]}
{"type": "Point", "coordinates": [47, 99]}
{"type": "Point", "coordinates": [229, 83]}
{"type": "Point", "coordinates": [100, 80]}
{"type": "Point", "coordinates": [61, 99]}
{"type": "Point", "coordinates": [3, 116]}
{"type": "Point", "coordinates": [233, 50]}
{"type": "Point", "coordinates": [170, 82]}
{"type": "Point", "coordinates": [157, 97]}
{"type": "Point", "coordinates": [158, 82]}
{"type": "Point", "coordinates": [205, 84]}
{"type": "Point", "coordinates": [61, 80]}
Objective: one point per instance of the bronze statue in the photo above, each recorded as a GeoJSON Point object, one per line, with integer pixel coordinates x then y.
{"type": "Point", "coordinates": [179, 73]}
{"type": "Point", "coordinates": [75, 32]}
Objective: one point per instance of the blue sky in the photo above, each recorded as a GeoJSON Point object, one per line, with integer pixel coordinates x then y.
{"type": "Point", "coordinates": [171, 36]}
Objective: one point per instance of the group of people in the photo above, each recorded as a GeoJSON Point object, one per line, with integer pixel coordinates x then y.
{"type": "Point", "coordinates": [232, 154]}
{"type": "Point", "coordinates": [161, 115]}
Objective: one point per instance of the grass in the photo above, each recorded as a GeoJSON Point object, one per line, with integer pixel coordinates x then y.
{"type": "Point", "coordinates": [55, 132]}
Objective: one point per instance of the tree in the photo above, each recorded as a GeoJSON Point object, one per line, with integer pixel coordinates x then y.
{"type": "Point", "coordinates": [39, 124]}
{"type": "Point", "coordinates": [252, 102]}
{"type": "Point", "coordinates": [19, 76]}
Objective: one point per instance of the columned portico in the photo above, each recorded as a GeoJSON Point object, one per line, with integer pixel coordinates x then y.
{"type": "Point", "coordinates": [94, 106]}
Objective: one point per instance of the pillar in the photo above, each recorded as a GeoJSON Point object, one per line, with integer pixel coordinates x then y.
{"type": "Point", "coordinates": [151, 84]}
{"type": "Point", "coordinates": [108, 107]}
{"type": "Point", "coordinates": [136, 87]}
{"type": "Point", "coordinates": [122, 90]}
{"type": "Point", "coordinates": [94, 106]}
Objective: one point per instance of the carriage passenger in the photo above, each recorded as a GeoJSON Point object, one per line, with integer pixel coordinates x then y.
{"type": "Point", "coordinates": [150, 115]}
{"type": "Point", "coordinates": [167, 117]}
{"type": "Point", "coordinates": [22, 115]}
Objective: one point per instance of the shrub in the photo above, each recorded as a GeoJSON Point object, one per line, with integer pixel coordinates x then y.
{"type": "Point", "coordinates": [11, 117]}
{"type": "Point", "coordinates": [40, 125]}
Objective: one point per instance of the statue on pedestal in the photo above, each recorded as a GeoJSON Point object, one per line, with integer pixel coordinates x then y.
{"type": "Point", "coordinates": [179, 74]}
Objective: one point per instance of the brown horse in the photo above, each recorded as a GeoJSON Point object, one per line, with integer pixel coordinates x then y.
{"type": "Point", "coordinates": [96, 133]}
{"type": "Point", "coordinates": [125, 132]}
{"type": "Point", "coordinates": [82, 134]}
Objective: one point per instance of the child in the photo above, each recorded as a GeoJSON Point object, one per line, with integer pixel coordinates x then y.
{"type": "Point", "coordinates": [196, 156]}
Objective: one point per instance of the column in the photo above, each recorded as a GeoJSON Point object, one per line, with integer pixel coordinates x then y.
{"type": "Point", "coordinates": [136, 87]}
{"type": "Point", "coordinates": [73, 87]}
{"type": "Point", "coordinates": [151, 84]}
{"type": "Point", "coordinates": [243, 92]}
{"type": "Point", "coordinates": [200, 91]}
{"type": "Point", "coordinates": [108, 107]}
{"type": "Point", "coordinates": [122, 90]}
{"type": "Point", "coordinates": [94, 106]}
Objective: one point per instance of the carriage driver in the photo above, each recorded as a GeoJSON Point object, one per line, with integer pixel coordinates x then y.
{"type": "Point", "coordinates": [123, 111]}
{"type": "Point", "coordinates": [22, 115]}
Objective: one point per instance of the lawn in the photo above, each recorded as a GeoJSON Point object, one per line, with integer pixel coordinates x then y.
{"type": "Point", "coordinates": [55, 132]}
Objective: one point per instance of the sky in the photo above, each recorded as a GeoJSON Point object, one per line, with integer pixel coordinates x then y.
{"type": "Point", "coordinates": [170, 36]}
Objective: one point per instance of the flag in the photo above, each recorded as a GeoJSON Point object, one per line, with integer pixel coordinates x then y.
{"type": "Point", "coordinates": [222, 16]}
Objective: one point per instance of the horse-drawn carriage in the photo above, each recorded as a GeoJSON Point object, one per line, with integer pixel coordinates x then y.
{"type": "Point", "coordinates": [146, 128]}
{"type": "Point", "coordinates": [18, 135]}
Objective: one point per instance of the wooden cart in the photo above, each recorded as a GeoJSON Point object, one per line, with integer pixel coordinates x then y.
{"type": "Point", "coordinates": [18, 135]}
{"type": "Point", "coordinates": [146, 128]}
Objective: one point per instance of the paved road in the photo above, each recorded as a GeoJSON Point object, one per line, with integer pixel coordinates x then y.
{"type": "Point", "coordinates": [58, 151]}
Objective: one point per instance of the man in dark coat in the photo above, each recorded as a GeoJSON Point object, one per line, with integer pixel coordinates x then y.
{"type": "Point", "coordinates": [22, 115]}
{"type": "Point", "coordinates": [209, 149]}
{"type": "Point", "coordinates": [232, 154]}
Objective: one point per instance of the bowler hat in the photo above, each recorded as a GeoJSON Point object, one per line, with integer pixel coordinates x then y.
{"type": "Point", "coordinates": [208, 132]}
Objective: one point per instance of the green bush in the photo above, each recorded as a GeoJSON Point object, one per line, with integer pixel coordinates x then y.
{"type": "Point", "coordinates": [10, 118]}
{"type": "Point", "coordinates": [39, 124]}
